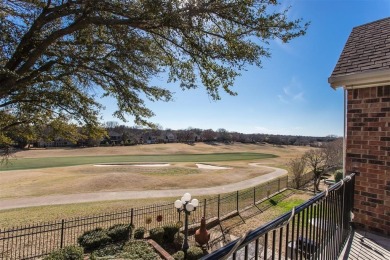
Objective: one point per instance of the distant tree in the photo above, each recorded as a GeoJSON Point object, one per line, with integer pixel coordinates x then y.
{"type": "Point", "coordinates": [110, 125]}
{"type": "Point", "coordinates": [209, 135]}
{"type": "Point", "coordinates": [334, 153]}
{"type": "Point", "coordinates": [58, 56]}
{"type": "Point", "coordinates": [297, 167]}
{"type": "Point", "coordinates": [316, 160]}
{"type": "Point", "coordinates": [223, 135]}
{"type": "Point", "coordinates": [92, 135]}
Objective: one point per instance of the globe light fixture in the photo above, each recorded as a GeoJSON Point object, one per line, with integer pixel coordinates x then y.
{"type": "Point", "coordinates": [186, 205]}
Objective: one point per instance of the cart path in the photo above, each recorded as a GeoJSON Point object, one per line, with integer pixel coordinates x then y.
{"type": "Point", "coordinates": [123, 195]}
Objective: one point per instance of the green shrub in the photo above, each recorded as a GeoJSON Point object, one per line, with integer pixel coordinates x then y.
{"type": "Point", "coordinates": [138, 249]}
{"type": "Point", "coordinates": [94, 239]}
{"type": "Point", "coordinates": [178, 240]}
{"type": "Point", "coordinates": [157, 234]}
{"type": "Point", "coordinates": [119, 232]}
{"type": "Point", "coordinates": [179, 255]}
{"type": "Point", "coordinates": [194, 253]}
{"type": "Point", "coordinates": [338, 176]}
{"type": "Point", "coordinates": [139, 233]}
{"type": "Point", "coordinates": [110, 249]}
{"type": "Point", "coordinates": [169, 232]}
{"type": "Point", "coordinates": [67, 253]}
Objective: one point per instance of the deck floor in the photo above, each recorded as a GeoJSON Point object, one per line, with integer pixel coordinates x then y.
{"type": "Point", "coordinates": [365, 245]}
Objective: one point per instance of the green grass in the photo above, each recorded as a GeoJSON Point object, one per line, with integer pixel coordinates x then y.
{"type": "Point", "coordinates": [37, 163]}
{"type": "Point", "coordinates": [280, 203]}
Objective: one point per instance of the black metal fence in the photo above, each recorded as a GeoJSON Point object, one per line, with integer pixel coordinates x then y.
{"type": "Point", "coordinates": [36, 240]}
{"type": "Point", "coordinates": [317, 229]}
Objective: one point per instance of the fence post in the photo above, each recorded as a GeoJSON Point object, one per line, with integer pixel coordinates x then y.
{"type": "Point", "coordinates": [254, 195]}
{"type": "Point", "coordinates": [237, 196]}
{"type": "Point", "coordinates": [204, 208]}
{"type": "Point", "coordinates": [132, 217]}
{"type": "Point", "coordinates": [219, 199]}
{"type": "Point", "coordinates": [62, 233]}
{"type": "Point", "coordinates": [287, 184]}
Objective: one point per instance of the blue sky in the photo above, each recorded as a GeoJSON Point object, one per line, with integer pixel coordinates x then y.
{"type": "Point", "coordinates": [290, 94]}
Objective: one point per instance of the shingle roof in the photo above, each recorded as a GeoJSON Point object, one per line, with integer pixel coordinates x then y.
{"type": "Point", "coordinates": [367, 49]}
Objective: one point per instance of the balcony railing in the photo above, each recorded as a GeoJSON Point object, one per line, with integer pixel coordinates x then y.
{"type": "Point", "coordinates": [317, 229]}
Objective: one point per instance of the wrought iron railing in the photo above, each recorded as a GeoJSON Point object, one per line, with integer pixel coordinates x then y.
{"type": "Point", "coordinates": [317, 229]}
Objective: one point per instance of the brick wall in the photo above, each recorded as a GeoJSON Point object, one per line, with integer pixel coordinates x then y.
{"type": "Point", "coordinates": [368, 154]}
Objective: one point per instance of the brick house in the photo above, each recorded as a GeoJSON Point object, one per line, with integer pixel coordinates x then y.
{"type": "Point", "coordinates": [363, 70]}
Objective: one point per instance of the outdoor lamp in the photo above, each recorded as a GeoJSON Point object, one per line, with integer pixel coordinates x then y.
{"type": "Point", "coordinates": [186, 205]}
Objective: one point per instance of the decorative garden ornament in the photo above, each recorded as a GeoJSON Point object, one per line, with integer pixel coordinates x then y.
{"type": "Point", "coordinates": [202, 235]}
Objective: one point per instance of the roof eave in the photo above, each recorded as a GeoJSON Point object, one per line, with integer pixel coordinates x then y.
{"type": "Point", "coordinates": [361, 79]}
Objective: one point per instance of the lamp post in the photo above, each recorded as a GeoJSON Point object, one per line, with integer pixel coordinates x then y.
{"type": "Point", "coordinates": [187, 205]}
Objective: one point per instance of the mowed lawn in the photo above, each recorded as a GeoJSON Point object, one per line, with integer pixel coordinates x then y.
{"type": "Point", "coordinates": [39, 163]}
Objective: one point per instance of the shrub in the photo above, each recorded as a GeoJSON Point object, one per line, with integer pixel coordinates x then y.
{"type": "Point", "coordinates": [169, 232]}
{"type": "Point", "coordinates": [138, 249]}
{"type": "Point", "coordinates": [179, 255]}
{"type": "Point", "coordinates": [338, 176]}
{"type": "Point", "coordinates": [139, 233]}
{"type": "Point", "coordinates": [194, 253]}
{"type": "Point", "coordinates": [66, 253]}
{"type": "Point", "coordinates": [157, 234]}
{"type": "Point", "coordinates": [94, 239]}
{"type": "Point", "coordinates": [178, 240]}
{"type": "Point", "coordinates": [119, 232]}
{"type": "Point", "coordinates": [110, 249]}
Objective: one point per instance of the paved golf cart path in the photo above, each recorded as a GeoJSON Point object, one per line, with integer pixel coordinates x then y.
{"type": "Point", "coordinates": [123, 195]}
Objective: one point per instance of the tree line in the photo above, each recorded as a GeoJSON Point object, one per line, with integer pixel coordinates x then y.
{"type": "Point", "coordinates": [140, 135]}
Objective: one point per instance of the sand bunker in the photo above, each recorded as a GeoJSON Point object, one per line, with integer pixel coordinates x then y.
{"type": "Point", "coordinates": [257, 164]}
{"type": "Point", "coordinates": [211, 167]}
{"type": "Point", "coordinates": [135, 165]}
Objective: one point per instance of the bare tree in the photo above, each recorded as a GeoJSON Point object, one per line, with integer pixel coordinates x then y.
{"type": "Point", "coordinates": [297, 169]}
{"type": "Point", "coordinates": [334, 153]}
{"type": "Point", "coordinates": [316, 159]}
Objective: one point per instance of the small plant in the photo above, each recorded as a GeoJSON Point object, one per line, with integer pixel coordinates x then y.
{"type": "Point", "coordinates": [338, 176]}
{"type": "Point", "coordinates": [110, 249]}
{"type": "Point", "coordinates": [119, 232]}
{"type": "Point", "coordinates": [179, 255]}
{"type": "Point", "coordinates": [139, 233]}
{"type": "Point", "coordinates": [67, 253]}
{"type": "Point", "coordinates": [178, 240]}
{"type": "Point", "coordinates": [137, 249]}
{"type": "Point", "coordinates": [94, 239]}
{"type": "Point", "coordinates": [169, 232]}
{"type": "Point", "coordinates": [157, 234]}
{"type": "Point", "coordinates": [194, 253]}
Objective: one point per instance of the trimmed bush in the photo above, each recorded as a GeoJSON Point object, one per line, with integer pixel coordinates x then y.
{"type": "Point", "coordinates": [338, 176]}
{"type": "Point", "coordinates": [157, 234]}
{"type": "Point", "coordinates": [178, 240]}
{"type": "Point", "coordinates": [169, 232]}
{"type": "Point", "coordinates": [110, 249]}
{"type": "Point", "coordinates": [119, 232]}
{"type": "Point", "coordinates": [194, 253]}
{"type": "Point", "coordinates": [138, 249]}
{"type": "Point", "coordinates": [67, 253]}
{"type": "Point", "coordinates": [179, 255]}
{"type": "Point", "coordinates": [94, 239]}
{"type": "Point", "coordinates": [139, 233]}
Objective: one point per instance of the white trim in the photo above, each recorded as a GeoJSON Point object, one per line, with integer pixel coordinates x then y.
{"type": "Point", "coordinates": [361, 79]}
